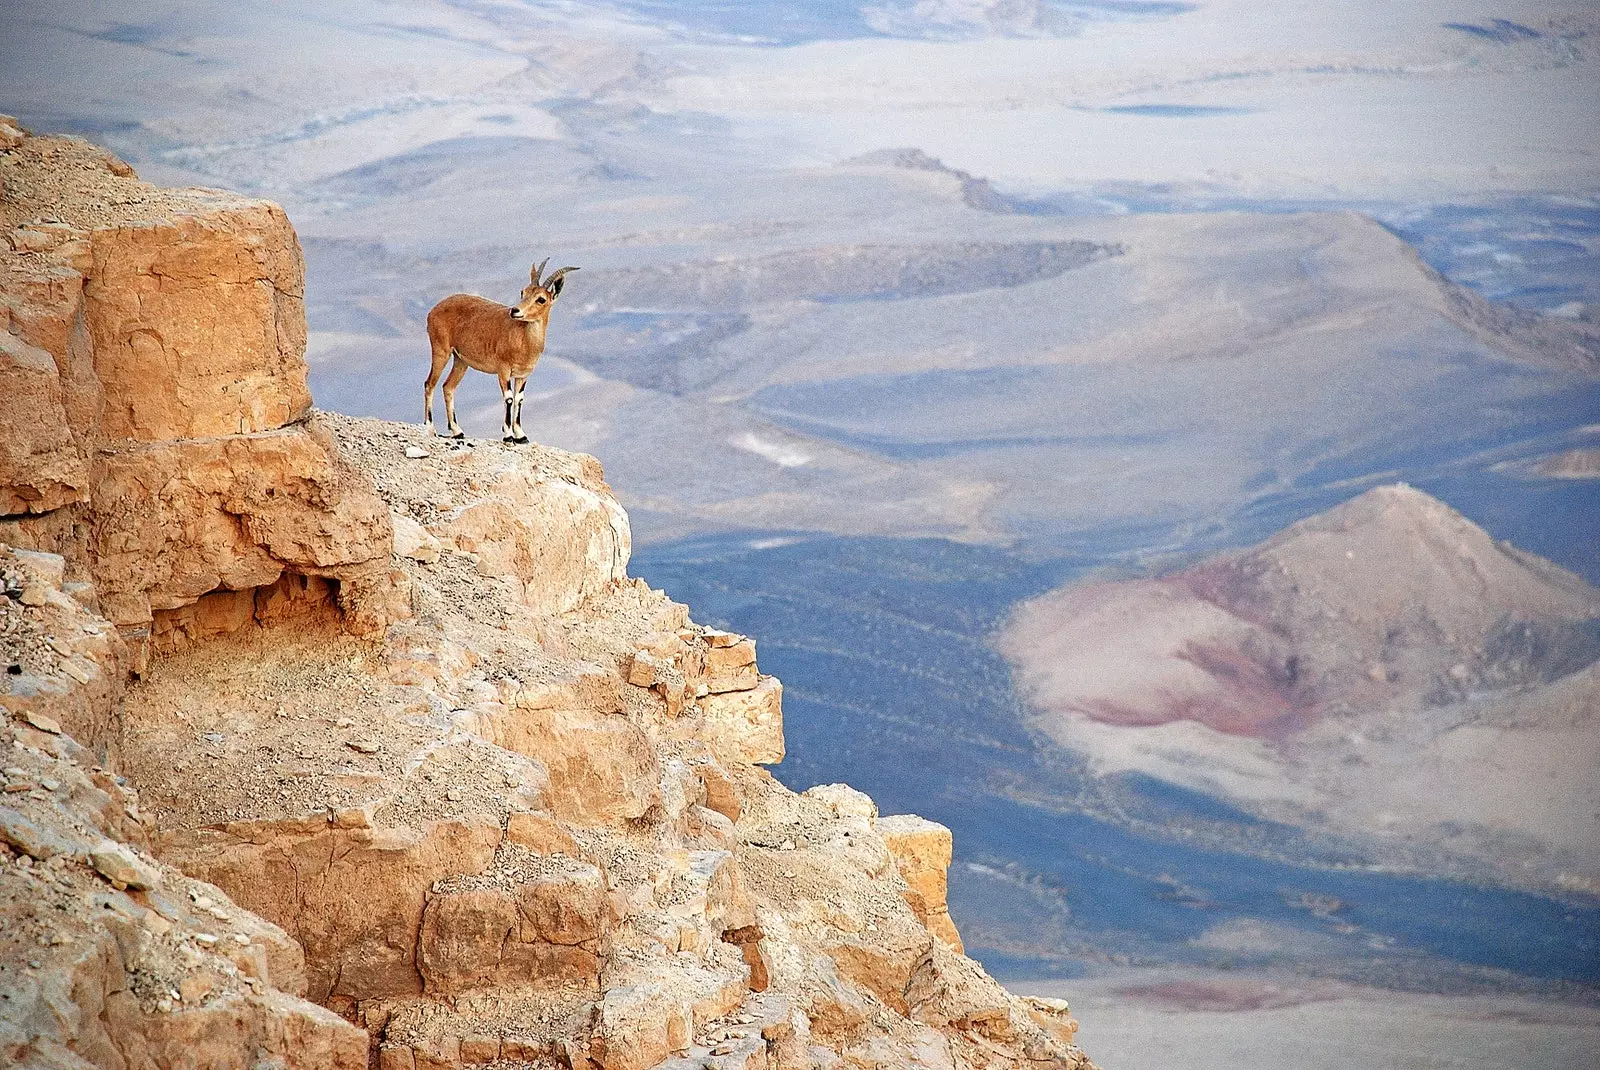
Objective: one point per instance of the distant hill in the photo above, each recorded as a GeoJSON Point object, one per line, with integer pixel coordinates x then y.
{"type": "Point", "coordinates": [1384, 669]}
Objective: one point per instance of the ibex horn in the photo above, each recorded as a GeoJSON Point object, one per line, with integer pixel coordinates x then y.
{"type": "Point", "coordinates": [555, 276]}
{"type": "Point", "coordinates": [538, 269]}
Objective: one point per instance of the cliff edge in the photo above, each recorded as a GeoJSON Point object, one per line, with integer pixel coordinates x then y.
{"type": "Point", "coordinates": [332, 744]}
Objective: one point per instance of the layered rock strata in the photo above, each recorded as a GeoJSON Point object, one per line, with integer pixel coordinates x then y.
{"type": "Point", "coordinates": [407, 740]}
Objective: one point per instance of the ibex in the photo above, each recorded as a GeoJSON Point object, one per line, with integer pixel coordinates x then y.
{"type": "Point", "coordinates": [504, 341]}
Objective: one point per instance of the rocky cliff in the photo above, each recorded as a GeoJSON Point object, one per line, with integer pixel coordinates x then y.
{"type": "Point", "coordinates": [330, 744]}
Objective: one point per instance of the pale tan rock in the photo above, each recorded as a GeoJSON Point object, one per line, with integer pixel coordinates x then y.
{"type": "Point", "coordinates": [559, 543]}
{"type": "Point", "coordinates": [922, 851]}
{"type": "Point", "coordinates": [413, 540]}
{"type": "Point", "coordinates": [602, 768]}
{"type": "Point", "coordinates": [107, 957]}
{"type": "Point", "coordinates": [731, 667]}
{"type": "Point", "coordinates": [197, 323]}
{"type": "Point", "coordinates": [117, 864]}
{"type": "Point", "coordinates": [35, 719]}
{"type": "Point", "coordinates": [548, 931]}
{"type": "Point", "coordinates": [716, 637]}
{"type": "Point", "coordinates": [640, 1026]}
{"type": "Point", "coordinates": [844, 801]}
{"type": "Point", "coordinates": [746, 727]}
{"type": "Point", "coordinates": [1054, 1016]}
{"type": "Point", "coordinates": [542, 833]}
{"type": "Point", "coordinates": [232, 513]}
{"type": "Point", "coordinates": [947, 989]}
{"type": "Point", "coordinates": [643, 668]}
{"type": "Point", "coordinates": [41, 465]}
{"type": "Point", "coordinates": [76, 686]}
{"type": "Point", "coordinates": [359, 919]}
{"type": "Point", "coordinates": [722, 794]}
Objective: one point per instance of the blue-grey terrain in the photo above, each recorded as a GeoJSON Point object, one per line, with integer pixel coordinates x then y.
{"type": "Point", "coordinates": [899, 326]}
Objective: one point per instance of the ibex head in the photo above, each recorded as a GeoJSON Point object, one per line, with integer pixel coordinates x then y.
{"type": "Point", "coordinates": [537, 296]}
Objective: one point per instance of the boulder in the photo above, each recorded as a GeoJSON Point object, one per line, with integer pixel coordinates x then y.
{"type": "Point", "coordinates": [921, 850]}
{"type": "Point", "coordinates": [175, 521]}
{"type": "Point", "coordinates": [41, 466]}
{"type": "Point", "coordinates": [197, 321]}
{"type": "Point", "coordinates": [746, 727]}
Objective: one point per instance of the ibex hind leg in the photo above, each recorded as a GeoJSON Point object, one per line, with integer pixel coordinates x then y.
{"type": "Point", "coordinates": [441, 357]}
{"type": "Point", "coordinates": [458, 371]}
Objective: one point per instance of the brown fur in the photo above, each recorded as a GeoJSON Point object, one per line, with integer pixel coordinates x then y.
{"type": "Point", "coordinates": [505, 341]}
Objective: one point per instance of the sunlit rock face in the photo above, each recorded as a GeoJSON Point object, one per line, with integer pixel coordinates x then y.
{"type": "Point", "coordinates": [157, 339]}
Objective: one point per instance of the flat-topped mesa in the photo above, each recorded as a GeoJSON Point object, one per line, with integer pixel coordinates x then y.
{"type": "Point", "coordinates": [152, 349]}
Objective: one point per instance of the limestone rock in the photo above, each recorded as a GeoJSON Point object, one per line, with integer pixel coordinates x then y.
{"type": "Point", "coordinates": [921, 850]}
{"type": "Point", "coordinates": [1054, 1016]}
{"type": "Point", "coordinates": [746, 727]}
{"type": "Point", "coordinates": [67, 659]}
{"type": "Point", "coordinates": [844, 801]}
{"type": "Point", "coordinates": [541, 834]}
{"type": "Point", "coordinates": [731, 667]}
{"type": "Point", "coordinates": [360, 917]}
{"type": "Point", "coordinates": [92, 965]}
{"type": "Point", "coordinates": [601, 767]}
{"type": "Point", "coordinates": [550, 929]}
{"type": "Point", "coordinates": [184, 519]}
{"type": "Point", "coordinates": [41, 466]}
{"type": "Point", "coordinates": [556, 541]}
{"type": "Point", "coordinates": [413, 540]}
{"type": "Point", "coordinates": [122, 867]}
{"type": "Point", "coordinates": [639, 1027]}
{"type": "Point", "coordinates": [198, 323]}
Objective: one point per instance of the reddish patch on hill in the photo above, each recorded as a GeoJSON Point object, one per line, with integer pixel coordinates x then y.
{"type": "Point", "coordinates": [1228, 586]}
{"type": "Point", "coordinates": [1253, 697]}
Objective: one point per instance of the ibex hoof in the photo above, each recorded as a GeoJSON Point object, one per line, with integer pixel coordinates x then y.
{"type": "Point", "coordinates": [457, 436]}
{"type": "Point", "coordinates": [515, 440]}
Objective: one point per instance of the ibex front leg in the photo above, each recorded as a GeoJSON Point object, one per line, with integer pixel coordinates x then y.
{"type": "Point", "coordinates": [441, 357]}
{"type": "Point", "coordinates": [517, 387]}
{"type": "Point", "coordinates": [509, 395]}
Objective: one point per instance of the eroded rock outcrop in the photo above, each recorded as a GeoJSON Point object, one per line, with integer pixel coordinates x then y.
{"type": "Point", "coordinates": [152, 353]}
{"type": "Point", "coordinates": [399, 706]}
{"type": "Point", "coordinates": [107, 957]}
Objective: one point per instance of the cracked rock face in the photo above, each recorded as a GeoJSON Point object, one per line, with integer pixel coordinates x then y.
{"type": "Point", "coordinates": [333, 745]}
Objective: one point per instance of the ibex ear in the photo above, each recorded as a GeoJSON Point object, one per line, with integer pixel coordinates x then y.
{"type": "Point", "coordinates": [538, 269]}
{"type": "Point", "coordinates": [556, 281]}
